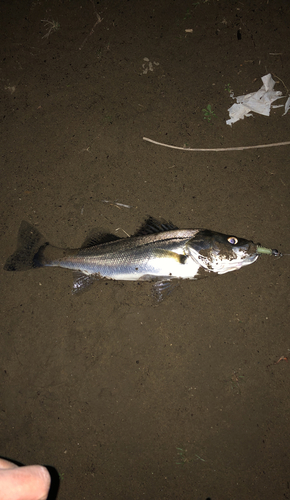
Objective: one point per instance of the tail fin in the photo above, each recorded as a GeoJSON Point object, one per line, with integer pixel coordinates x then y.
{"type": "Point", "coordinates": [30, 244]}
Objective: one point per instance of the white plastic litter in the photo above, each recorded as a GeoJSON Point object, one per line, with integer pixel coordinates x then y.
{"type": "Point", "coordinates": [287, 106]}
{"type": "Point", "coordinates": [259, 102]}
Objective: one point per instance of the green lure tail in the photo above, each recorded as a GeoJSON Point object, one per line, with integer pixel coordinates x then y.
{"type": "Point", "coordinates": [268, 251]}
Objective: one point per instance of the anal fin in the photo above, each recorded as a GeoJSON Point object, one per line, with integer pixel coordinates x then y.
{"type": "Point", "coordinates": [83, 281]}
{"type": "Point", "coordinates": [162, 289]}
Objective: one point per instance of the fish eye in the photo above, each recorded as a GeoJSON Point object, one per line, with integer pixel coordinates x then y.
{"type": "Point", "coordinates": [233, 240]}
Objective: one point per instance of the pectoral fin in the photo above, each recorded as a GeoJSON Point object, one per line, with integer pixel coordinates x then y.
{"type": "Point", "coordinates": [167, 254]}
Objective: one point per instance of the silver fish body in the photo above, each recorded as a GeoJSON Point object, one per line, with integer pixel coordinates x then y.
{"type": "Point", "coordinates": [162, 256]}
{"type": "Point", "coordinates": [159, 251]}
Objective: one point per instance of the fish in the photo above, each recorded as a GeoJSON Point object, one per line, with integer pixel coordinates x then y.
{"type": "Point", "coordinates": [158, 251]}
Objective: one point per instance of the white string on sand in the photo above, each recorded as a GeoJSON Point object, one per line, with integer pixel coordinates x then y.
{"type": "Point", "coordinates": [219, 149]}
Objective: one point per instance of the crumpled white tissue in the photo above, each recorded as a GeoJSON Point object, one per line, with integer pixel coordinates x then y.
{"type": "Point", "coordinates": [259, 102]}
{"type": "Point", "coordinates": [287, 106]}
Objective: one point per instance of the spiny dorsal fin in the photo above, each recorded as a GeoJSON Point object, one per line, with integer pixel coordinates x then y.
{"type": "Point", "coordinates": [152, 226]}
{"type": "Point", "coordinates": [94, 239]}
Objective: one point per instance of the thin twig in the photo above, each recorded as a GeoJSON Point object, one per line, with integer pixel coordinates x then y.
{"type": "Point", "coordinates": [99, 20]}
{"type": "Point", "coordinates": [54, 26]}
{"type": "Point", "coordinates": [282, 82]}
{"type": "Point", "coordinates": [219, 149]}
{"type": "Point", "coordinates": [116, 203]}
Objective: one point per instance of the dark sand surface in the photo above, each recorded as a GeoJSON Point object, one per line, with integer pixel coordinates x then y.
{"type": "Point", "coordinates": [128, 399]}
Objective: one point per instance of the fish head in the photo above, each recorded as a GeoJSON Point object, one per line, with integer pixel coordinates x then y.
{"type": "Point", "coordinates": [221, 253]}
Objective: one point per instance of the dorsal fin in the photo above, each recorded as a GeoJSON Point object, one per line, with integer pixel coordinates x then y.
{"type": "Point", "coordinates": [152, 226]}
{"type": "Point", "coordinates": [98, 238]}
